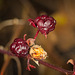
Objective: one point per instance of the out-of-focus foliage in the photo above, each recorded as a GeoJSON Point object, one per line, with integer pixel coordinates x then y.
{"type": "Point", "coordinates": [60, 43]}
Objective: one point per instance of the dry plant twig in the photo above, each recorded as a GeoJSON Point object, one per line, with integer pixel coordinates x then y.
{"type": "Point", "coordinates": [10, 22]}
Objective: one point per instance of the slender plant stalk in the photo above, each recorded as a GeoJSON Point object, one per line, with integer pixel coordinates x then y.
{"type": "Point", "coordinates": [43, 63]}
{"type": "Point", "coordinates": [6, 62]}
{"type": "Point", "coordinates": [6, 52]}
{"type": "Point", "coordinates": [55, 68]}
{"type": "Point", "coordinates": [36, 34]}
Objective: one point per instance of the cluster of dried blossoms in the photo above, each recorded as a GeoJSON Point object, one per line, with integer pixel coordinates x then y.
{"type": "Point", "coordinates": [44, 23]}
{"type": "Point", "coordinates": [28, 48]}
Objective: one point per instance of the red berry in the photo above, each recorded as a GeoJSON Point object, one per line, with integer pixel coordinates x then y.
{"type": "Point", "coordinates": [19, 47]}
{"type": "Point", "coordinates": [44, 23]}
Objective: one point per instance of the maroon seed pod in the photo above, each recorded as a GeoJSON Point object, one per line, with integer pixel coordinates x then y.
{"type": "Point", "coordinates": [19, 47]}
{"type": "Point", "coordinates": [44, 23]}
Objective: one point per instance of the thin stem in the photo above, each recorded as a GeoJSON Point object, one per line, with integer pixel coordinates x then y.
{"type": "Point", "coordinates": [6, 52]}
{"type": "Point", "coordinates": [10, 22]}
{"type": "Point", "coordinates": [55, 68]}
{"type": "Point", "coordinates": [36, 34]}
{"type": "Point", "coordinates": [25, 36]}
{"type": "Point", "coordinates": [6, 62]}
{"type": "Point", "coordinates": [43, 63]}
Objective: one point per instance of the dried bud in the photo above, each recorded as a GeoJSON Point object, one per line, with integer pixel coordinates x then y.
{"type": "Point", "coordinates": [44, 23]}
{"type": "Point", "coordinates": [19, 47]}
{"type": "Point", "coordinates": [37, 52]}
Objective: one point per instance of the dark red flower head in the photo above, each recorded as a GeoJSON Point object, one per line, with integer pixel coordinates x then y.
{"type": "Point", "coordinates": [19, 47]}
{"type": "Point", "coordinates": [44, 23]}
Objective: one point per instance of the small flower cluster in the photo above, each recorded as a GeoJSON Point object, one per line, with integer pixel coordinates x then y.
{"type": "Point", "coordinates": [19, 47]}
{"type": "Point", "coordinates": [44, 23]}
{"type": "Point", "coordinates": [27, 48]}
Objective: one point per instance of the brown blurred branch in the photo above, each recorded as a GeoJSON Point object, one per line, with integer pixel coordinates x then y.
{"type": "Point", "coordinates": [40, 61]}
{"type": "Point", "coordinates": [12, 22]}
{"type": "Point", "coordinates": [18, 64]}
{"type": "Point", "coordinates": [5, 66]}
{"type": "Point", "coordinates": [6, 62]}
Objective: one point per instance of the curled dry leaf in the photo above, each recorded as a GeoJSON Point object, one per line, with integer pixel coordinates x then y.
{"type": "Point", "coordinates": [70, 61]}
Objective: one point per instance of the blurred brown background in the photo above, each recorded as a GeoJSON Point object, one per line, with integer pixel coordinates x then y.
{"type": "Point", "coordinates": [60, 43]}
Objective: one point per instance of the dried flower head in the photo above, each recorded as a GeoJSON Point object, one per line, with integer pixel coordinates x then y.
{"type": "Point", "coordinates": [19, 47]}
{"type": "Point", "coordinates": [37, 52]}
{"type": "Point", "coordinates": [44, 23]}
{"type": "Point", "coordinates": [28, 49]}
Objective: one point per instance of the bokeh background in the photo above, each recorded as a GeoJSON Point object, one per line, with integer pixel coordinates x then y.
{"type": "Point", "coordinates": [60, 44]}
